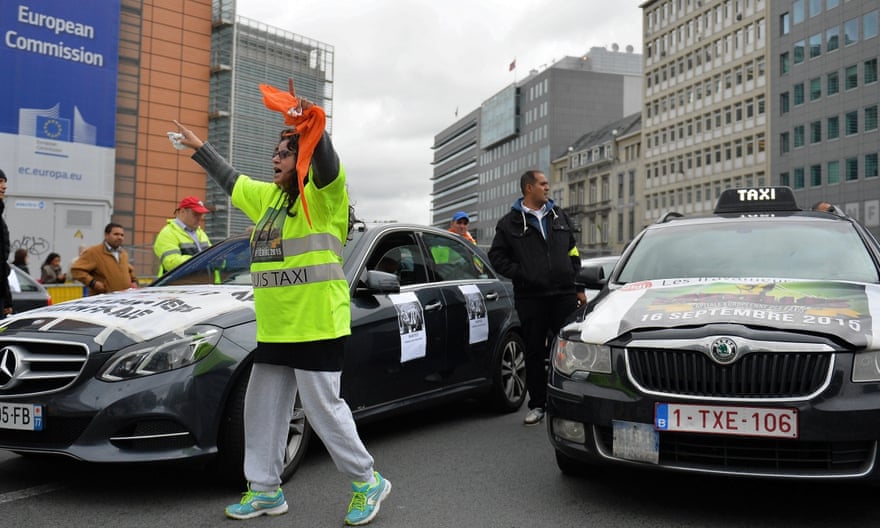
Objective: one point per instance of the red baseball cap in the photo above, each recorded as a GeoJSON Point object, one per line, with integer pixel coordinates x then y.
{"type": "Point", "coordinates": [191, 202]}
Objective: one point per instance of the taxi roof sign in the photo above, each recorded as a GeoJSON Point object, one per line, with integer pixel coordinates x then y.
{"type": "Point", "coordinates": [754, 199]}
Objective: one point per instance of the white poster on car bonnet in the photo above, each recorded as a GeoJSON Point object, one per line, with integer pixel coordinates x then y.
{"type": "Point", "coordinates": [478, 323]}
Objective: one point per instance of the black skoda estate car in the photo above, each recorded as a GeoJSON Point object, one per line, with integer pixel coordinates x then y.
{"type": "Point", "coordinates": [741, 342]}
{"type": "Point", "coordinates": [159, 373]}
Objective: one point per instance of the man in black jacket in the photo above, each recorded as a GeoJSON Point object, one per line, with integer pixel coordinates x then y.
{"type": "Point", "coordinates": [535, 247]}
{"type": "Point", "coordinates": [5, 247]}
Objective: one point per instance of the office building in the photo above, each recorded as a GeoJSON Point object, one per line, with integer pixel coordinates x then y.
{"type": "Point", "coordinates": [244, 54]}
{"type": "Point", "coordinates": [705, 116]}
{"type": "Point", "coordinates": [824, 127]}
{"type": "Point", "coordinates": [600, 181]}
{"type": "Point", "coordinates": [479, 159]}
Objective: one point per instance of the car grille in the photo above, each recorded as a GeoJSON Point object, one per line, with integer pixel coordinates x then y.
{"type": "Point", "coordinates": [766, 456]}
{"type": "Point", "coordinates": [756, 375]}
{"type": "Point", "coordinates": [39, 367]}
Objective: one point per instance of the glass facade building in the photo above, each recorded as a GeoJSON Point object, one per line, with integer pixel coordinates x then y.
{"type": "Point", "coordinates": [246, 53]}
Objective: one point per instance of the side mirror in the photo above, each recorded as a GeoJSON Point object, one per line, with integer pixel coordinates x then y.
{"type": "Point", "coordinates": [373, 281]}
{"type": "Point", "coordinates": [591, 277]}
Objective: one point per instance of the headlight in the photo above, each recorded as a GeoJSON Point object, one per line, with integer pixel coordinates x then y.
{"type": "Point", "coordinates": [571, 356]}
{"type": "Point", "coordinates": [164, 353]}
{"type": "Point", "coordinates": [866, 366]}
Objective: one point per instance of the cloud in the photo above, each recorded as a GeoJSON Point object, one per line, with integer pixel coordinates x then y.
{"type": "Point", "coordinates": [403, 68]}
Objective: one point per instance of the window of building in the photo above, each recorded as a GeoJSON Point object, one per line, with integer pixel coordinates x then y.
{"type": "Point", "coordinates": [833, 84]}
{"type": "Point", "coordinates": [799, 52]}
{"type": "Point", "coordinates": [797, 11]}
{"type": "Point", "coordinates": [871, 118]}
{"type": "Point", "coordinates": [871, 165]}
{"type": "Point", "coordinates": [851, 77]}
{"type": "Point", "coordinates": [784, 143]}
{"type": "Point", "coordinates": [798, 136]}
{"type": "Point", "coordinates": [784, 103]}
{"type": "Point", "coordinates": [815, 7]}
{"type": "Point", "coordinates": [833, 172]}
{"type": "Point", "coordinates": [799, 178]}
{"type": "Point", "coordinates": [852, 123]}
{"type": "Point", "coordinates": [815, 46]}
{"type": "Point", "coordinates": [850, 31]}
{"type": "Point", "coordinates": [798, 94]}
{"type": "Point", "coordinates": [815, 175]}
{"type": "Point", "coordinates": [815, 132]}
{"type": "Point", "coordinates": [784, 179]}
{"type": "Point", "coordinates": [833, 129]}
{"type": "Point", "coordinates": [832, 39]}
{"type": "Point", "coordinates": [869, 25]}
{"type": "Point", "coordinates": [784, 62]}
{"type": "Point", "coordinates": [852, 169]}
{"type": "Point", "coordinates": [869, 71]}
{"type": "Point", "coordinates": [815, 88]}
{"type": "Point", "coordinates": [831, 4]}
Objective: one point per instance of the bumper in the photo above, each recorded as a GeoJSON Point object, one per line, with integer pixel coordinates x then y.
{"type": "Point", "coordinates": [837, 431]}
{"type": "Point", "coordinates": [169, 416]}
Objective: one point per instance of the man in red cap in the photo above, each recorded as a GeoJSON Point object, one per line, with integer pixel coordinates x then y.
{"type": "Point", "coordinates": [182, 237]}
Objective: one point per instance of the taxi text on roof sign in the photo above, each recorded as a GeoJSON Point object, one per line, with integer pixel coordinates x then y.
{"type": "Point", "coordinates": [754, 199]}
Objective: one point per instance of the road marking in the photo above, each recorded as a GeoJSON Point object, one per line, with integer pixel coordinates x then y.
{"type": "Point", "coordinates": [29, 492]}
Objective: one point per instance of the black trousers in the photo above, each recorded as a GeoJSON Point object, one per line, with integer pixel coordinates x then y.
{"type": "Point", "coordinates": [541, 318]}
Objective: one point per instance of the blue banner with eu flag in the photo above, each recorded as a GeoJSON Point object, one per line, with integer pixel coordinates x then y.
{"type": "Point", "coordinates": [60, 63]}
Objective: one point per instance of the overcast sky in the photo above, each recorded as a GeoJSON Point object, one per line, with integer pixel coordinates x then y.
{"type": "Point", "coordinates": [402, 67]}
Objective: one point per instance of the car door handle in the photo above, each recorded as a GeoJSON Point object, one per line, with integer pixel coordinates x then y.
{"type": "Point", "coordinates": [433, 306]}
{"type": "Point", "coordinates": [492, 296]}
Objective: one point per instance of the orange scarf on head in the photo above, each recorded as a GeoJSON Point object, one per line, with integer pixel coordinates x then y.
{"type": "Point", "coordinates": [309, 125]}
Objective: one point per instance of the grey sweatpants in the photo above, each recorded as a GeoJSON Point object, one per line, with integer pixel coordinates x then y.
{"type": "Point", "coordinates": [268, 409]}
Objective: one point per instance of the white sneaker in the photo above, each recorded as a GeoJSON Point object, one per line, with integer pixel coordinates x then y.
{"type": "Point", "coordinates": [534, 416]}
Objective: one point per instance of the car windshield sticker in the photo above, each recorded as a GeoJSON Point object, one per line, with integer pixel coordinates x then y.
{"type": "Point", "coordinates": [838, 308]}
{"type": "Point", "coordinates": [476, 312]}
{"type": "Point", "coordinates": [145, 313]}
{"type": "Point", "coordinates": [411, 319]}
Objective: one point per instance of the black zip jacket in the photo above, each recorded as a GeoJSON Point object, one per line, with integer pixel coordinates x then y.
{"type": "Point", "coordinates": [538, 267]}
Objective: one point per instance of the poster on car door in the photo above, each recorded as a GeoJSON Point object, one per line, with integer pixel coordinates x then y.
{"type": "Point", "coordinates": [838, 308]}
{"type": "Point", "coordinates": [478, 323]}
{"type": "Point", "coordinates": [411, 320]}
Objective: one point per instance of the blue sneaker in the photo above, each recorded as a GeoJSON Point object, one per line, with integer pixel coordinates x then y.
{"type": "Point", "coordinates": [365, 501]}
{"type": "Point", "coordinates": [256, 503]}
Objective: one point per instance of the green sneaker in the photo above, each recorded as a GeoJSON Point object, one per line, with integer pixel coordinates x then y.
{"type": "Point", "coordinates": [256, 503]}
{"type": "Point", "coordinates": [365, 501]}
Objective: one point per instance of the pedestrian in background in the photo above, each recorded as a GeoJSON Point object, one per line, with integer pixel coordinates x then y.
{"type": "Point", "coordinates": [50, 271]}
{"type": "Point", "coordinates": [535, 247]}
{"type": "Point", "coordinates": [459, 226]}
{"type": "Point", "coordinates": [105, 267]}
{"type": "Point", "coordinates": [303, 319]}
{"type": "Point", "coordinates": [20, 259]}
{"type": "Point", "coordinates": [182, 236]}
{"type": "Point", "coordinates": [5, 247]}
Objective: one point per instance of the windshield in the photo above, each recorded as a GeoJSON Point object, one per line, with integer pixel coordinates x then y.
{"type": "Point", "coordinates": [751, 249]}
{"type": "Point", "coordinates": [228, 262]}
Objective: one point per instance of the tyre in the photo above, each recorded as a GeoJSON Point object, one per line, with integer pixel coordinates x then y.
{"type": "Point", "coordinates": [231, 442]}
{"type": "Point", "coordinates": [508, 391]}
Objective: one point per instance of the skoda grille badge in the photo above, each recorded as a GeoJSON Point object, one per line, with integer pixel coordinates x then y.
{"type": "Point", "coordinates": [9, 364]}
{"type": "Point", "coordinates": [723, 350]}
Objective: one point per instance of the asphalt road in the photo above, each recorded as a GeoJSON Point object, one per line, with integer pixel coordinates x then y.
{"type": "Point", "coordinates": [456, 466]}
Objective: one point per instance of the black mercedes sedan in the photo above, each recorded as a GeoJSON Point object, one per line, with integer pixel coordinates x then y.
{"type": "Point", "coordinates": [159, 373]}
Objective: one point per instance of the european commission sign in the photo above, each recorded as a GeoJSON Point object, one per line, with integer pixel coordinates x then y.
{"type": "Point", "coordinates": [58, 102]}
